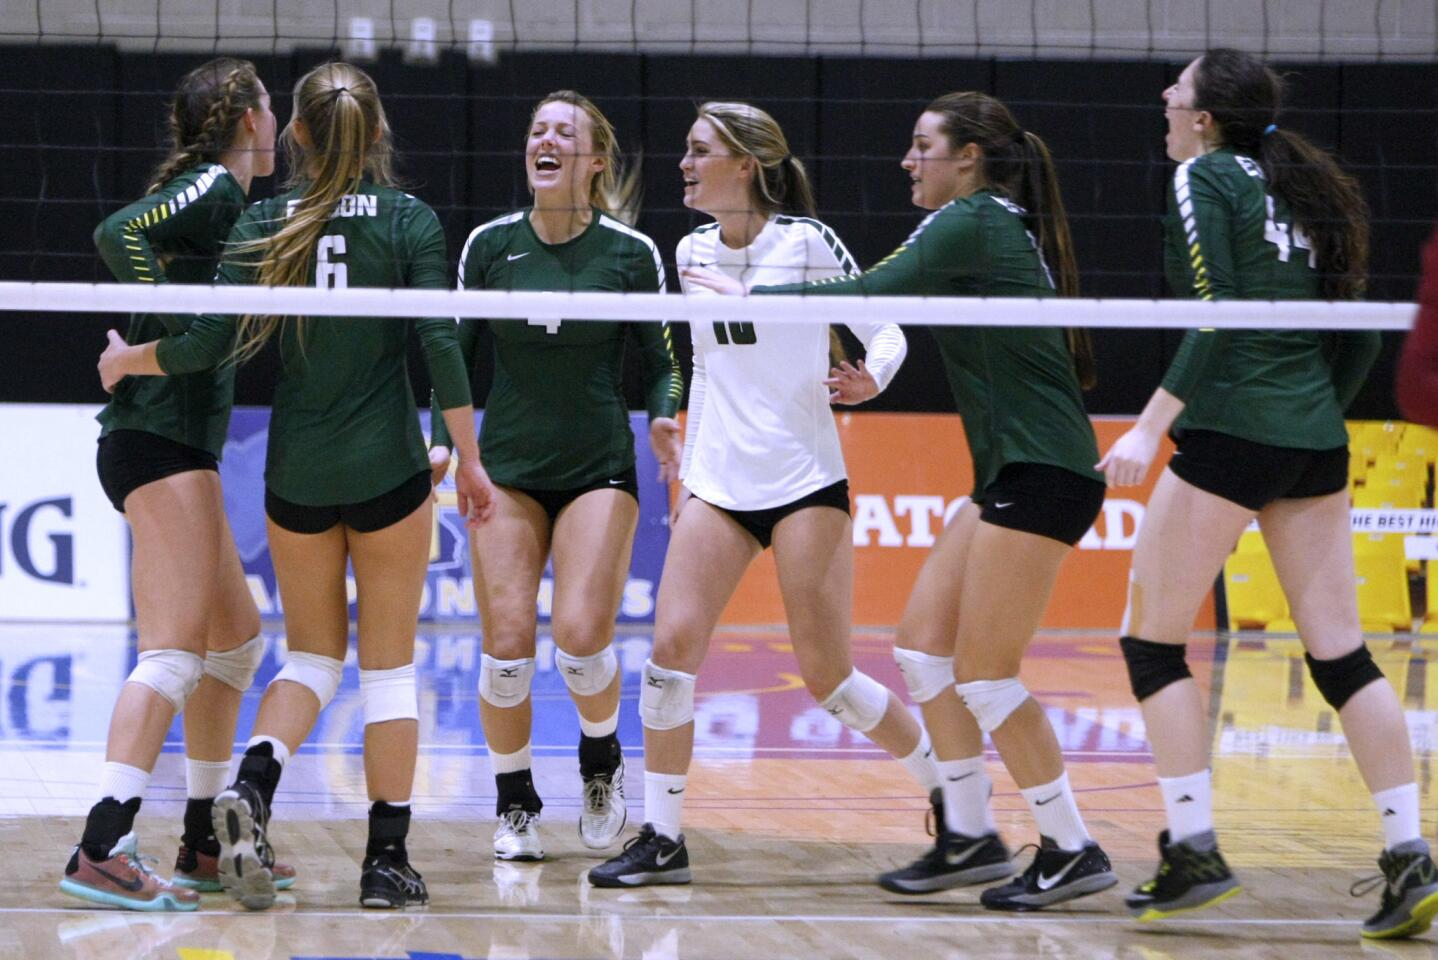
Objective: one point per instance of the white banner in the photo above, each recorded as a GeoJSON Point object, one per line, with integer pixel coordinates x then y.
{"type": "Point", "coordinates": [63, 548]}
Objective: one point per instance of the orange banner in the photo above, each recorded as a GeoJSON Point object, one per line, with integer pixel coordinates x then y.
{"type": "Point", "coordinates": [907, 473]}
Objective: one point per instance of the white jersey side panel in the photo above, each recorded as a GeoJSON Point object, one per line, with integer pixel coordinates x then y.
{"type": "Point", "coordinates": [762, 433]}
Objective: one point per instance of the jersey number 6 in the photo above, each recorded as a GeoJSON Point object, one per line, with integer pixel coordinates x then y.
{"type": "Point", "coordinates": [741, 333]}
{"type": "Point", "coordinates": [328, 274]}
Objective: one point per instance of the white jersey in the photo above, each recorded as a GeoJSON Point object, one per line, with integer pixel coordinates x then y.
{"type": "Point", "coordinates": [760, 430]}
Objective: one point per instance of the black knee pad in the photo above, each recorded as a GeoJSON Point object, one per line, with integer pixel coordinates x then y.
{"type": "Point", "coordinates": [1153, 666]}
{"type": "Point", "coordinates": [1338, 680]}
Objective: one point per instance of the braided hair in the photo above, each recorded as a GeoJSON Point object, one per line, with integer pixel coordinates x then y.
{"type": "Point", "coordinates": [208, 105]}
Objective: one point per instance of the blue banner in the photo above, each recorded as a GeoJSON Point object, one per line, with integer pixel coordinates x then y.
{"type": "Point", "coordinates": [449, 587]}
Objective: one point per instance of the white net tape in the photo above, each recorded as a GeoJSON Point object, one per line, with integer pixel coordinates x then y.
{"type": "Point", "coordinates": [925, 311]}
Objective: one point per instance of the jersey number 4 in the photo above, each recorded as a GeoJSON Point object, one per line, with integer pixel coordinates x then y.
{"type": "Point", "coordinates": [329, 274]}
{"type": "Point", "coordinates": [742, 334]}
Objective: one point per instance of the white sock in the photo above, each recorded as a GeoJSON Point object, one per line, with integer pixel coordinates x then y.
{"type": "Point", "coordinates": [920, 763]}
{"type": "Point", "coordinates": [1188, 803]}
{"type": "Point", "coordinates": [664, 801]}
{"type": "Point", "coordinates": [1398, 806]}
{"type": "Point", "coordinates": [510, 762]}
{"type": "Point", "coordinates": [967, 787]}
{"type": "Point", "coordinates": [282, 752]}
{"type": "Point", "coordinates": [1057, 813]}
{"type": "Point", "coordinates": [204, 779]}
{"type": "Point", "coordinates": [122, 781]}
{"type": "Point", "coordinates": [600, 728]}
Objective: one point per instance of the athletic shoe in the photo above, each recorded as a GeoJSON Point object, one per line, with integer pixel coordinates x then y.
{"type": "Point", "coordinates": [517, 836]}
{"type": "Point", "coordinates": [604, 815]}
{"type": "Point", "coordinates": [955, 860]}
{"type": "Point", "coordinates": [390, 884]}
{"type": "Point", "coordinates": [647, 859]}
{"type": "Point", "coordinates": [124, 879]}
{"type": "Point", "coordinates": [1410, 892]}
{"type": "Point", "coordinates": [1054, 876]}
{"type": "Point", "coordinates": [201, 872]}
{"type": "Point", "coordinates": [245, 859]}
{"type": "Point", "coordinates": [1189, 878]}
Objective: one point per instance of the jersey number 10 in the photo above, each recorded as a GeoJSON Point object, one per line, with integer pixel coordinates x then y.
{"type": "Point", "coordinates": [742, 334]}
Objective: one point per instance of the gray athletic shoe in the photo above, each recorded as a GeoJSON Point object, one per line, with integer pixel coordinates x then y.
{"type": "Point", "coordinates": [954, 860]}
{"type": "Point", "coordinates": [1410, 892]}
{"type": "Point", "coordinates": [1054, 876]}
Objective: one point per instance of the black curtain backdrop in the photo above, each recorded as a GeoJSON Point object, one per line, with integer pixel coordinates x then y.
{"type": "Point", "coordinates": [85, 125]}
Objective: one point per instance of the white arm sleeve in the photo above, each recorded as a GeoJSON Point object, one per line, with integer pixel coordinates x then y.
{"type": "Point", "coordinates": [885, 347]}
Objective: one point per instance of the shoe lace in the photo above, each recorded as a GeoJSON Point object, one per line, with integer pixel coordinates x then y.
{"type": "Point", "coordinates": [1033, 868]}
{"type": "Point", "coordinates": [515, 821]}
{"type": "Point", "coordinates": [598, 792]}
{"type": "Point", "coordinates": [1365, 886]}
{"type": "Point", "coordinates": [145, 866]}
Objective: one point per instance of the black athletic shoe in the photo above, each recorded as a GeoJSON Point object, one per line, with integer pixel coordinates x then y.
{"type": "Point", "coordinates": [646, 859]}
{"type": "Point", "coordinates": [387, 883]}
{"type": "Point", "coordinates": [241, 819]}
{"type": "Point", "coordinates": [954, 860]}
{"type": "Point", "coordinates": [1191, 875]}
{"type": "Point", "coordinates": [1054, 876]}
{"type": "Point", "coordinates": [1410, 892]}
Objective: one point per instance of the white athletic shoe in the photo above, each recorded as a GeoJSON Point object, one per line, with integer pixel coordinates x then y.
{"type": "Point", "coordinates": [604, 814]}
{"type": "Point", "coordinates": [517, 836]}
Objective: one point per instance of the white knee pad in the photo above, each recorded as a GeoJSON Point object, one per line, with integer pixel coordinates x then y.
{"type": "Point", "coordinates": [925, 675]}
{"type": "Point", "coordinates": [389, 694]}
{"type": "Point", "coordinates": [320, 673]}
{"type": "Point", "coordinates": [587, 676]}
{"type": "Point", "coordinates": [236, 668]}
{"type": "Point", "coordinates": [991, 701]}
{"type": "Point", "coordinates": [666, 697]}
{"type": "Point", "coordinates": [173, 674]}
{"type": "Point", "coordinates": [505, 683]}
{"type": "Point", "coordinates": [859, 702]}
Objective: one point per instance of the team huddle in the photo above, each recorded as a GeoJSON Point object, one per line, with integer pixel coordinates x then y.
{"type": "Point", "coordinates": [549, 476]}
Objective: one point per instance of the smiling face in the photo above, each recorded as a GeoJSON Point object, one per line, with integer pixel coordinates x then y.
{"type": "Point", "coordinates": [933, 164]}
{"type": "Point", "coordinates": [560, 160]}
{"type": "Point", "coordinates": [1190, 131]}
{"type": "Point", "coordinates": [716, 179]}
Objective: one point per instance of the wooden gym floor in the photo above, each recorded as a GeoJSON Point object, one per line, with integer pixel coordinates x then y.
{"type": "Point", "coordinates": [790, 817]}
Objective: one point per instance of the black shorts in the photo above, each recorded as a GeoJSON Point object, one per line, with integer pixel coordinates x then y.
{"type": "Point", "coordinates": [553, 501]}
{"type": "Point", "coordinates": [366, 517]}
{"type": "Point", "coordinates": [1253, 475]}
{"type": "Point", "coordinates": [1042, 499]}
{"type": "Point", "coordinates": [760, 524]}
{"type": "Point", "coordinates": [128, 459]}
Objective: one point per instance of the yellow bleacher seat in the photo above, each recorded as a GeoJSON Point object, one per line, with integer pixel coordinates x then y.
{"type": "Point", "coordinates": [1401, 465]}
{"type": "Point", "coordinates": [1374, 437]}
{"type": "Point", "coordinates": [1394, 493]}
{"type": "Point", "coordinates": [1419, 441]}
{"type": "Point", "coordinates": [1357, 469]}
{"type": "Point", "coordinates": [1381, 568]}
{"type": "Point", "coordinates": [1250, 586]}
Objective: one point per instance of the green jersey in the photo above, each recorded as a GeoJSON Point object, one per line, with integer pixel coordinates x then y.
{"type": "Point", "coordinates": [1229, 238]}
{"type": "Point", "coordinates": [344, 428]}
{"type": "Point", "coordinates": [556, 418]}
{"type": "Point", "coordinates": [1015, 388]}
{"type": "Point", "coordinates": [172, 236]}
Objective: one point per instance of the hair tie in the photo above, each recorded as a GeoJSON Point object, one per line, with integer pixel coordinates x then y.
{"type": "Point", "coordinates": [1270, 129]}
